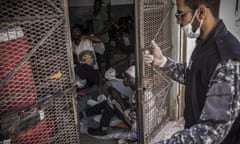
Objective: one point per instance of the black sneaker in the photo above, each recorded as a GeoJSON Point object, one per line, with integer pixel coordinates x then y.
{"type": "Point", "coordinates": [96, 131]}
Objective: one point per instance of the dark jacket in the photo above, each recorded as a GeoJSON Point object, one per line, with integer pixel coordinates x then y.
{"type": "Point", "coordinates": [220, 46]}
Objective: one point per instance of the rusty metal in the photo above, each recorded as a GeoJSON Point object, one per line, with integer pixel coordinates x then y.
{"type": "Point", "coordinates": [139, 44]}
{"type": "Point", "coordinates": [37, 64]}
{"type": "Point", "coordinates": [25, 58]}
{"type": "Point", "coordinates": [156, 26]}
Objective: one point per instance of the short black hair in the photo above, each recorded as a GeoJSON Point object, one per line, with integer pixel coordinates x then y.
{"type": "Point", "coordinates": [98, 1]}
{"type": "Point", "coordinates": [213, 5]}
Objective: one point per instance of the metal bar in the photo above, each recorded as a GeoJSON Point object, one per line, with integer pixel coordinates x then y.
{"type": "Point", "coordinates": [160, 27]}
{"type": "Point", "coordinates": [23, 60]}
{"type": "Point", "coordinates": [53, 5]}
{"type": "Point", "coordinates": [5, 100]}
{"type": "Point", "coordinates": [139, 44]}
{"type": "Point", "coordinates": [25, 18]}
{"type": "Point", "coordinates": [40, 101]}
{"type": "Point", "coordinates": [157, 7]}
{"type": "Point", "coordinates": [71, 67]}
{"type": "Point", "coordinates": [69, 41]}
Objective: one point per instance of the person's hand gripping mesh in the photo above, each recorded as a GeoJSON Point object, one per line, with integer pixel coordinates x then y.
{"type": "Point", "coordinates": [157, 58]}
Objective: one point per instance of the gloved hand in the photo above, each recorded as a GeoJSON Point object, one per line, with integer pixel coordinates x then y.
{"type": "Point", "coordinates": [126, 112]}
{"type": "Point", "coordinates": [157, 58]}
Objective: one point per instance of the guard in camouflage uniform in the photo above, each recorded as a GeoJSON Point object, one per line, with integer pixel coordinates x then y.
{"type": "Point", "coordinates": [212, 77]}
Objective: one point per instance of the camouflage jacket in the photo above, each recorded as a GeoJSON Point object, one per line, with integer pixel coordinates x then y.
{"type": "Point", "coordinates": [221, 109]}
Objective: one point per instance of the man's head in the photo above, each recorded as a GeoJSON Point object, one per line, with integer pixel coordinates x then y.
{"type": "Point", "coordinates": [76, 33]}
{"type": "Point", "coordinates": [197, 11]}
{"type": "Point", "coordinates": [212, 5]}
{"type": "Point", "coordinates": [97, 5]}
{"type": "Point", "coordinates": [131, 58]}
{"type": "Point", "coordinates": [129, 77]}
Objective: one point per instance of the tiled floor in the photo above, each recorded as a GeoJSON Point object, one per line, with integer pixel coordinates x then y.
{"type": "Point", "coordinates": [85, 139]}
{"type": "Point", "coordinates": [169, 129]}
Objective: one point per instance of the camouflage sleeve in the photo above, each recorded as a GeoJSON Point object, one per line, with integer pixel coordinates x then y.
{"type": "Point", "coordinates": [221, 109]}
{"type": "Point", "coordinates": [177, 71]}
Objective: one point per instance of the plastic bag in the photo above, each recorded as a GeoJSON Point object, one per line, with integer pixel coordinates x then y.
{"type": "Point", "coordinates": [86, 54]}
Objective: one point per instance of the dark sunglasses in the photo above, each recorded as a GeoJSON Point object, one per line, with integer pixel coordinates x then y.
{"type": "Point", "coordinates": [180, 15]}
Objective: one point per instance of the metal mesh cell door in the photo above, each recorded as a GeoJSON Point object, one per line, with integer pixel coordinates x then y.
{"type": "Point", "coordinates": [155, 24]}
{"type": "Point", "coordinates": [36, 95]}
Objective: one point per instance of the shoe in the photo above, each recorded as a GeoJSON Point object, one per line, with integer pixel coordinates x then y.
{"type": "Point", "coordinates": [101, 98]}
{"type": "Point", "coordinates": [97, 131]}
{"type": "Point", "coordinates": [97, 118]}
{"type": "Point", "coordinates": [80, 83]}
{"type": "Point", "coordinates": [92, 102]}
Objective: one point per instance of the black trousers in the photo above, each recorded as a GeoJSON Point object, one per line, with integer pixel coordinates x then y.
{"type": "Point", "coordinates": [85, 71]}
{"type": "Point", "coordinates": [108, 113]}
{"type": "Point", "coordinates": [107, 55]}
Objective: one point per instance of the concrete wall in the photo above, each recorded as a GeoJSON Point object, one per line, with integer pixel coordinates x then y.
{"type": "Point", "coordinates": [81, 12]}
{"type": "Point", "coordinates": [175, 92]}
{"type": "Point", "coordinates": [79, 3]}
{"type": "Point", "coordinates": [231, 17]}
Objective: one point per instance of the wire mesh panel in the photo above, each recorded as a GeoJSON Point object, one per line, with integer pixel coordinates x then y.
{"type": "Point", "coordinates": [36, 104]}
{"type": "Point", "coordinates": [157, 26]}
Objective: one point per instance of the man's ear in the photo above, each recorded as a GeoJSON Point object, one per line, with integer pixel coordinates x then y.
{"type": "Point", "coordinates": [202, 12]}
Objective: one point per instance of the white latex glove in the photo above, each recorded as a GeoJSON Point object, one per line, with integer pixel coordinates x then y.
{"type": "Point", "coordinates": [126, 112]}
{"type": "Point", "coordinates": [157, 58]}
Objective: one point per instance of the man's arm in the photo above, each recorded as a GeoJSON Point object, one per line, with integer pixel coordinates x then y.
{"type": "Point", "coordinates": [177, 71]}
{"type": "Point", "coordinates": [220, 111]}
{"type": "Point", "coordinates": [92, 38]}
{"type": "Point", "coordinates": [116, 96]}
